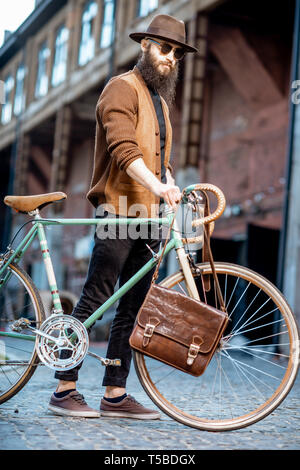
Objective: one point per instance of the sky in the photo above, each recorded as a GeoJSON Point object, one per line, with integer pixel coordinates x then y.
{"type": "Point", "coordinates": [12, 14]}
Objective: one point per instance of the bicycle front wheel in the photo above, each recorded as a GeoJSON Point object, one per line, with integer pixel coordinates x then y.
{"type": "Point", "coordinates": [19, 298]}
{"type": "Point", "coordinates": [252, 370]}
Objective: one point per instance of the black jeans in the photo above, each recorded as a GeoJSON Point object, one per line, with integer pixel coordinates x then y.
{"type": "Point", "coordinates": [113, 259]}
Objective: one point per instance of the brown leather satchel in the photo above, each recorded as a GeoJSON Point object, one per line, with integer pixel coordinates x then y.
{"type": "Point", "coordinates": [176, 329]}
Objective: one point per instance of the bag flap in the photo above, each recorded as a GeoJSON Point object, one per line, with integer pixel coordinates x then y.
{"type": "Point", "coordinates": [181, 318]}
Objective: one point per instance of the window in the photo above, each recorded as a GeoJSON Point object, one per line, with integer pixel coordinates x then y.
{"type": "Point", "coordinates": [87, 42]}
{"type": "Point", "coordinates": [19, 96]}
{"type": "Point", "coordinates": [107, 32]}
{"type": "Point", "coordinates": [60, 58]}
{"type": "Point", "coordinates": [41, 87]}
{"type": "Point", "coordinates": [7, 107]}
{"type": "Point", "coordinates": [146, 6]}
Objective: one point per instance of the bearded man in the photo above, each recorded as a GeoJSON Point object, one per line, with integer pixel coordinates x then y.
{"type": "Point", "coordinates": [131, 169]}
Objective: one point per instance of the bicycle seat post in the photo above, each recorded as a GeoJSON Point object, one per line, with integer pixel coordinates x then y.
{"type": "Point", "coordinates": [35, 213]}
{"type": "Point", "coordinates": [57, 307]}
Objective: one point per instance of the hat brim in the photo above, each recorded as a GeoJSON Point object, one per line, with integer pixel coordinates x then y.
{"type": "Point", "coordinates": [139, 36]}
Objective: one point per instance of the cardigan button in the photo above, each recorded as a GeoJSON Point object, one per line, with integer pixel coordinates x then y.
{"type": "Point", "coordinates": [157, 154]}
{"type": "Point", "coordinates": [157, 172]}
{"type": "Point", "coordinates": [156, 133]}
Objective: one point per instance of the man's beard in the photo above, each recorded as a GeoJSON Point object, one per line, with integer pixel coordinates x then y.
{"type": "Point", "coordinates": [165, 85]}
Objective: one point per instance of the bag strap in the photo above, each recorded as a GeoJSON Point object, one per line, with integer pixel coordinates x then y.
{"type": "Point", "coordinates": [207, 256]}
{"type": "Point", "coordinates": [206, 228]}
{"type": "Point", "coordinates": [212, 265]}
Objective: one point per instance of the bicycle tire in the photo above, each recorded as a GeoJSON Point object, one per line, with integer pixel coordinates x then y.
{"type": "Point", "coordinates": [22, 286]}
{"type": "Point", "coordinates": [275, 366]}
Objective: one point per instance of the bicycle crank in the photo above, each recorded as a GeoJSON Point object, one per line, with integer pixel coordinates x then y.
{"type": "Point", "coordinates": [105, 361]}
{"type": "Point", "coordinates": [62, 342]}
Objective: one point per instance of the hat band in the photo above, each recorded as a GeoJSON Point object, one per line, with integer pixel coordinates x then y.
{"type": "Point", "coordinates": [166, 34]}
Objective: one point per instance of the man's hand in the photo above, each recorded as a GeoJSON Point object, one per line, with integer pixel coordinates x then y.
{"type": "Point", "coordinates": [171, 194]}
{"type": "Point", "coordinates": [169, 191]}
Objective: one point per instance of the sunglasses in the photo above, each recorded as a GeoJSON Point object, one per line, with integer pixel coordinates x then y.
{"type": "Point", "coordinates": [166, 48]}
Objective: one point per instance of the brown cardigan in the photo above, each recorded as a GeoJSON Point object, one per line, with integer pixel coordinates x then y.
{"type": "Point", "coordinates": [126, 129]}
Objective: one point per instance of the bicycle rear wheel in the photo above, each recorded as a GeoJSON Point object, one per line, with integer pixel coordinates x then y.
{"type": "Point", "coordinates": [19, 298]}
{"type": "Point", "coordinates": [252, 370]}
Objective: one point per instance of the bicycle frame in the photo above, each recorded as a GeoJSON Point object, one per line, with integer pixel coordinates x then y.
{"type": "Point", "coordinates": [38, 230]}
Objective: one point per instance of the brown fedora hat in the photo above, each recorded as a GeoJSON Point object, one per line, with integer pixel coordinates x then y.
{"type": "Point", "coordinates": [168, 28]}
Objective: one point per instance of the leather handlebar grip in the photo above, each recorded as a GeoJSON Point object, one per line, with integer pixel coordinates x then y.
{"type": "Point", "coordinates": [210, 218]}
{"type": "Point", "coordinates": [221, 203]}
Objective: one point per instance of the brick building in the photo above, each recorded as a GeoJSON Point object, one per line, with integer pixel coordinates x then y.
{"type": "Point", "coordinates": [230, 120]}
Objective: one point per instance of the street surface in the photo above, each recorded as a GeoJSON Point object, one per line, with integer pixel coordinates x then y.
{"type": "Point", "coordinates": [26, 424]}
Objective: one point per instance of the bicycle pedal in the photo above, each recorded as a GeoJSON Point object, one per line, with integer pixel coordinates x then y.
{"type": "Point", "coordinates": [20, 324]}
{"type": "Point", "coordinates": [104, 361]}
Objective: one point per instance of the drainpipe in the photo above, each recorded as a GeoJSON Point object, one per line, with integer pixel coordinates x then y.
{"type": "Point", "coordinates": [294, 76]}
{"type": "Point", "coordinates": [10, 186]}
{"type": "Point", "coordinates": [113, 47]}
{"type": "Point", "coordinates": [12, 170]}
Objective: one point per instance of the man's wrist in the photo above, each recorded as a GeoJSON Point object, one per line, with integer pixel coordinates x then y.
{"type": "Point", "coordinates": [159, 188]}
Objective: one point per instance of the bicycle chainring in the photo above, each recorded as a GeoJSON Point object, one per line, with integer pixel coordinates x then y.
{"type": "Point", "coordinates": [69, 346]}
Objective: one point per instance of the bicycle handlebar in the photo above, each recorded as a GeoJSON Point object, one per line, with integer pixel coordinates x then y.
{"type": "Point", "coordinates": [211, 217]}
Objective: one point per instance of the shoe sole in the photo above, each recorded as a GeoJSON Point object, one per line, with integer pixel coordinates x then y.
{"type": "Point", "coordinates": [119, 414]}
{"type": "Point", "coordinates": [80, 414]}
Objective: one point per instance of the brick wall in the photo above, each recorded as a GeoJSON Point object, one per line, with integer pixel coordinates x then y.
{"type": "Point", "coordinates": [244, 140]}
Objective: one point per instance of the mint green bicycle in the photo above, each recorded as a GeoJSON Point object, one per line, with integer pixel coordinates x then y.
{"type": "Point", "coordinates": [251, 372]}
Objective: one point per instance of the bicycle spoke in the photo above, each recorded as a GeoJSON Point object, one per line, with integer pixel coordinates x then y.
{"type": "Point", "coordinates": [256, 327]}
{"type": "Point", "coordinates": [160, 365]}
{"type": "Point", "coordinates": [11, 383]}
{"type": "Point", "coordinates": [214, 382]}
{"type": "Point", "coordinates": [225, 290]}
{"type": "Point", "coordinates": [18, 349]}
{"type": "Point", "coordinates": [242, 316]}
{"type": "Point", "coordinates": [241, 296]}
{"type": "Point", "coordinates": [172, 371]}
{"type": "Point", "coordinates": [255, 368]}
{"type": "Point", "coordinates": [259, 318]}
{"type": "Point", "coordinates": [232, 390]}
{"type": "Point", "coordinates": [237, 281]}
{"type": "Point", "coordinates": [239, 375]}
{"type": "Point", "coordinates": [253, 348]}
{"type": "Point", "coordinates": [266, 345]}
{"type": "Point", "coordinates": [246, 372]}
{"type": "Point", "coordinates": [14, 368]}
{"type": "Point", "coordinates": [269, 336]}
{"type": "Point", "coordinates": [18, 299]}
{"type": "Point", "coordinates": [182, 289]}
{"type": "Point", "coordinates": [220, 382]}
{"type": "Point", "coordinates": [261, 358]}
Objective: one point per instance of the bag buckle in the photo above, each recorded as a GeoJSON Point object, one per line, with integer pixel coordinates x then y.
{"type": "Point", "coordinates": [148, 332]}
{"type": "Point", "coordinates": [193, 350]}
{"type": "Point", "coordinates": [192, 354]}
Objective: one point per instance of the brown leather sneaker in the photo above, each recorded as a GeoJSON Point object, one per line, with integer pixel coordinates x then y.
{"type": "Point", "coordinates": [127, 408]}
{"type": "Point", "coordinates": [72, 404]}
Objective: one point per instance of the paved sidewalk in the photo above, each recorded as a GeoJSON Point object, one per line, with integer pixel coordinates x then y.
{"type": "Point", "coordinates": [26, 424]}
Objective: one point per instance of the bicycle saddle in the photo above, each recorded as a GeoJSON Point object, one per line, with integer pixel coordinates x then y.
{"type": "Point", "coordinates": [26, 204]}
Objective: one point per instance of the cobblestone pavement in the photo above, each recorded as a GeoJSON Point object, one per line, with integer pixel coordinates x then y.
{"type": "Point", "coordinates": [26, 424]}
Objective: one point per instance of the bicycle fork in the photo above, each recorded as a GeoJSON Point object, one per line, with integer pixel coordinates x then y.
{"type": "Point", "coordinates": [185, 265]}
